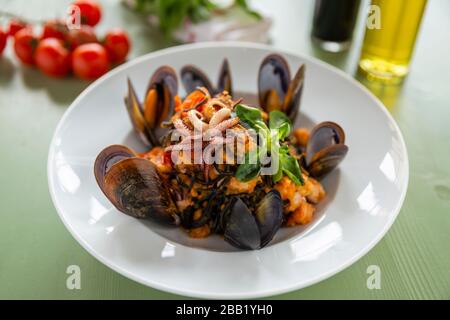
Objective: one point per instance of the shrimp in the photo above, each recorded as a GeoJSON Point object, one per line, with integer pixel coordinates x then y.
{"type": "Point", "coordinates": [235, 186]}
{"type": "Point", "coordinates": [303, 215]}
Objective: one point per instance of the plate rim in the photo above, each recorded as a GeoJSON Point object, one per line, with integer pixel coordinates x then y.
{"type": "Point", "coordinates": [254, 294]}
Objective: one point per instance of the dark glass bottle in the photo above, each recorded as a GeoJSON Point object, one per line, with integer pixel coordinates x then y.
{"type": "Point", "coordinates": [334, 21]}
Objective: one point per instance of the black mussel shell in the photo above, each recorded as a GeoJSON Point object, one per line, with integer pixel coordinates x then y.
{"type": "Point", "coordinates": [193, 78]}
{"type": "Point", "coordinates": [248, 231]}
{"type": "Point", "coordinates": [325, 149]}
{"type": "Point", "coordinates": [323, 135]}
{"type": "Point", "coordinates": [135, 188]}
{"type": "Point", "coordinates": [161, 91]}
{"type": "Point", "coordinates": [294, 94]}
{"type": "Point", "coordinates": [327, 159]}
{"type": "Point", "coordinates": [241, 229]}
{"type": "Point", "coordinates": [224, 82]}
{"type": "Point", "coordinates": [107, 158]}
{"type": "Point", "coordinates": [273, 82]}
{"type": "Point", "coordinates": [136, 113]}
{"type": "Point", "coordinates": [269, 216]}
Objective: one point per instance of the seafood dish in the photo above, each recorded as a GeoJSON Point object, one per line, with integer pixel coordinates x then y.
{"type": "Point", "coordinates": [220, 161]}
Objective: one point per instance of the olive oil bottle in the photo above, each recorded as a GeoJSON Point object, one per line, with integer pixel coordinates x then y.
{"type": "Point", "coordinates": [388, 47]}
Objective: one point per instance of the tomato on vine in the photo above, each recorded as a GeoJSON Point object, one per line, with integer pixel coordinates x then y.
{"type": "Point", "coordinates": [76, 37]}
{"type": "Point", "coordinates": [90, 11]}
{"type": "Point", "coordinates": [90, 61]}
{"type": "Point", "coordinates": [16, 25]}
{"type": "Point", "coordinates": [54, 29]}
{"type": "Point", "coordinates": [52, 58]}
{"type": "Point", "coordinates": [3, 39]}
{"type": "Point", "coordinates": [24, 45]}
{"type": "Point", "coordinates": [62, 47]}
{"type": "Point", "coordinates": [117, 43]}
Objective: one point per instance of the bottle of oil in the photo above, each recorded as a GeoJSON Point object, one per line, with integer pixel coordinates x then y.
{"type": "Point", "coordinates": [333, 23]}
{"type": "Point", "coordinates": [388, 47]}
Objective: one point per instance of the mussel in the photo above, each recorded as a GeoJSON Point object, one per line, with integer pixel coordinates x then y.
{"type": "Point", "coordinates": [325, 149]}
{"type": "Point", "coordinates": [193, 78]}
{"type": "Point", "coordinates": [157, 106]}
{"type": "Point", "coordinates": [109, 157]}
{"type": "Point", "coordinates": [133, 185]}
{"type": "Point", "coordinates": [250, 231]}
{"type": "Point", "coordinates": [276, 90]}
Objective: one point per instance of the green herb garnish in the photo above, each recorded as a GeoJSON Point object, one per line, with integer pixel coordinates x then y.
{"type": "Point", "coordinates": [272, 136]}
{"type": "Point", "coordinates": [172, 13]}
{"type": "Point", "coordinates": [248, 170]}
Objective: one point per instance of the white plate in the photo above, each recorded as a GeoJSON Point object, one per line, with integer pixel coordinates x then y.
{"type": "Point", "coordinates": [365, 194]}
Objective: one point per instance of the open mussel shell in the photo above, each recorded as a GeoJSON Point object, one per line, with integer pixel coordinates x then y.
{"type": "Point", "coordinates": [134, 187]}
{"type": "Point", "coordinates": [273, 82]}
{"type": "Point", "coordinates": [224, 82]}
{"type": "Point", "coordinates": [136, 113]}
{"type": "Point", "coordinates": [323, 135]}
{"type": "Point", "coordinates": [241, 230]}
{"type": "Point", "coordinates": [107, 158]}
{"type": "Point", "coordinates": [269, 216]}
{"type": "Point", "coordinates": [158, 104]}
{"type": "Point", "coordinates": [325, 149]}
{"type": "Point", "coordinates": [294, 94]}
{"type": "Point", "coordinates": [327, 159]}
{"type": "Point", "coordinates": [159, 99]}
{"type": "Point", "coordinates": [248, 231]}
{"type": "Point", "coordinates": [193, 78]}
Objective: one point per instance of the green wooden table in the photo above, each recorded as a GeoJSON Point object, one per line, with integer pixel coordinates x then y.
{"type": "Point", "coordinates": [36, 249]}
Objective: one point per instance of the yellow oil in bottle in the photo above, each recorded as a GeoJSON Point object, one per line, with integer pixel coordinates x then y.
{"type": "Point", "coordinates": [387, 50]}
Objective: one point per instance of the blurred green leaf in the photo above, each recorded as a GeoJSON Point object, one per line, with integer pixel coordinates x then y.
{"type": "Point", "coordinates": [172, 13]}
{"type": "Point", "coordinates": [244, 5]}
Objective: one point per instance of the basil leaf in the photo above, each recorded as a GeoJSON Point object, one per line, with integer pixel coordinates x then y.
{"type": "Point", "coordinates": [278, 156]}
{"type": "Point", "coordinates": [279, 121]}
{"type": "Point", "coordinates": [277, 118]}
{"type": "Point", "coordinates": [172, 13]}
{"type": "Point", "coordinates": [284, 131]}
{"type": "Point", "coordinates": [284, 149]}
{"type": "Point", "coordinates": [248, 170]}
{"type": "Point", "coordinates": [249, 115]}
{"type": "Point", "coordinates": [277, 176]}
{"type": "Point", "coordinates": [291, 168]}
{"type": "Point", "coordinates": [280, 128]}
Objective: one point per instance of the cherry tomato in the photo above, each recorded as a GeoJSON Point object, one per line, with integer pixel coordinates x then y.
{"type": "Point", "coordinates": [3, 38]}
{"type": "Point", "coordinates": [117, 44]}
{"type": "Point", "coordinates": [15, 25]}
{"type": "Point", "coordinates": [24, 45]}
{"type": "Point", "coordinates": [52, 58]}
{"type": "Point", "coordinates": [54, 29]}
{"type": "Point", "coordinates": [90, 61]}
{"type": "Point", "coordinates": [77, 37]}
{"type": "Point", "coordinates": [90, 11]}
